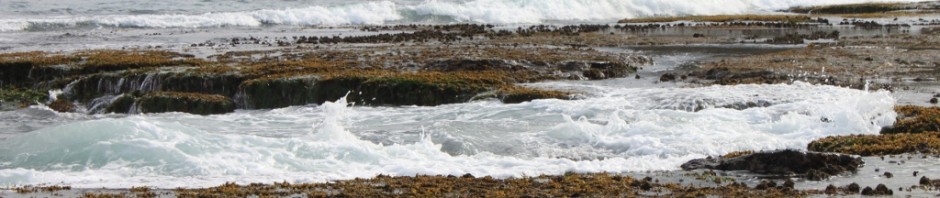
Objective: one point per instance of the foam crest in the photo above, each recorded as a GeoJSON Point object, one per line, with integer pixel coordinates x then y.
{"type": "Point", "coordinates": [384, 12]}
{"type": "Point", "coordinates": [655, 121]}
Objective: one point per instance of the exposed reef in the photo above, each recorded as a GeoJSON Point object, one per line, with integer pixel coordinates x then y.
{"type": "Point", "coordinates": [110, 81]}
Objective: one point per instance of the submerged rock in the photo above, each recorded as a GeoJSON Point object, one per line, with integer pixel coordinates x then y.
{"type": "Point", "coordinates": [813, 166]}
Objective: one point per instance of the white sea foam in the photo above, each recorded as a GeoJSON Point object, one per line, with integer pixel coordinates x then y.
{"type": "Point", "coordinates": [382, 12]}
{"type": "Point", "coordinates": [614, 130]}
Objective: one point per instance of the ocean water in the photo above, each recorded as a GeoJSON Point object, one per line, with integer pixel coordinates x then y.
{"type": "Point", "coordinates": [612, 130]}
{"type": "Point", "coordinates": [617, 126]}
{"type": "Point", "coordinates": [44, 15]}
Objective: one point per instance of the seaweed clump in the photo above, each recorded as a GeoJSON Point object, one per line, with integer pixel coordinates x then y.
{"type": "Point", "coordinates": [915, 119]}
{"type": "Point", "coordinates": [916, 130]}
{"type": "Point", "coordinates": [884, 144]}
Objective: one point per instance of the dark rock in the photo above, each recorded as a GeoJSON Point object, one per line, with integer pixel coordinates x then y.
{"type": "Point", "coordinates": [405, 91]}
{"type": "Point", "coordinates": [574, 66]}
{"type": "Point", "coordinates": [868, 191]}
{"type": "Point", "coordinates": [717, 73]}
{"type": "Point", "coordinates": [61, 105]}
{"type": "Point", "coordinates": [852, 188]}
{"type": "Point", "coordinates": [667, 77]}
{"type": "Point", "coordinates": [888, 174]}
{"type": "Point", "coordinates": [159, 102]}
{"type": "Point", "coordinates": [15, 73]}
{"type": "Point", "coordinates": [123, 103]}
{"type": "Point", "coordinates": [610, 70]}
{"type": "Point", "coordinates": [763, 185]}
{"type": "Point", "coordinates": [830, 189]}
{"type": "Point", "coordinates": [933, 101]}
{"type": "Point", "coordinates": [924, 180]}
{"type": "Point", "coordinates": [645, 185]}
{"type": "Point", "coordinates": [789, 183]}
{"type": "Point", "coordinates": [278, 92]}
{"type": "Point", "coordinates": [478, 65]}
{"type": "Point", "coordinates": [521, 94]}
{"type": "Point", "coordinates": [594, 74]}
{"type": "Point", "coordinates": [812, 165]}
{"type": "Point", "coordinates": [817, 175]}
{"type": "Point", "coordinates": [881, 189]}
{"type": "Point", "coordinates": [97, 85]}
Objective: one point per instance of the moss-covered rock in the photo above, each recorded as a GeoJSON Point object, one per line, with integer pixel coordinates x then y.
{"type": "Point", "coordinates": [29, 67]}
{"type": "Point", "coordinates": [278, 92]}
{"type": "Point", "coordinates": [159, 102]}
{"type": "Point", "coordinates": [123, 103]}
{"type": "Point", "coordinates": [195, 103]}
{"type": "Point", "coordinates": [884, 144]}
{"type": "Point", "coordinates": [102, 84]}
{"type": "Point", "coordinates": [11, 96]}
{"type": "Point", "coordinates": [525, 94]}
{"type": "Point", "coordinates": [915, 119]}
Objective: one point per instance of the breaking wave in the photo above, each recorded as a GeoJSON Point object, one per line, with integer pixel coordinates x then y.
{"type": "Point", "coordinates": [435, 11]}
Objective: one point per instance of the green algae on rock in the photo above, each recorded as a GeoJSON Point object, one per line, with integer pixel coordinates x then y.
{"type": "Point", "coordinates": [13, 97]}
{"type": "Point", "coordinates": [278, 92]}
{"type": "Point", "coordinates": [915, 119]}
{"type": "Point", "coordinates": [884, 144]}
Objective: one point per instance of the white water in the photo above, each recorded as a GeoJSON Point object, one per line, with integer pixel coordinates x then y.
{"type": "Point", "coordinates": [44, 15]}
{"type": "Point", "coordinates": [613, 130]}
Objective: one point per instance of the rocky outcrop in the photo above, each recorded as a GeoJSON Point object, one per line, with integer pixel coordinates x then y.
{"type": "Point", "coordinates": [126, 81]}
{"type": "Point", "coordinates": [93, 86]}
{"type": "Point", "coordinates": [811, 165]}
